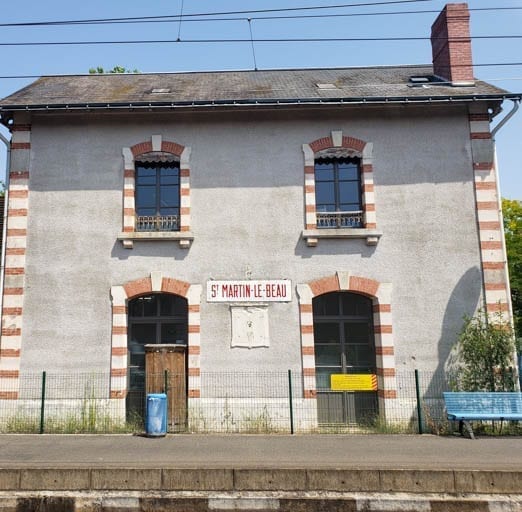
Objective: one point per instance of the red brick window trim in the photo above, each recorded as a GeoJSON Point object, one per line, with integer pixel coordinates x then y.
{"type": "Point", "coordinates": [155, 283]}
{"type": "Point", "coordinates": [380, 293]}
{"type": "Point", "coordinates": [157, 150]}
{"type": "Point", "coordinates": [339, 146]}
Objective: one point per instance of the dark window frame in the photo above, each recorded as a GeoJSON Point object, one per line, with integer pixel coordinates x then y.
{"type": "Point", "coordinates": [158, 318]}
{"type": "Point", "coordinates": [341, 319]}
{"type": "Point", "coordinates": [158, 220]}
{"type": "Point", "coordinates": [136, 350]}
{"type": "Point", "coordinates": [332, 214]}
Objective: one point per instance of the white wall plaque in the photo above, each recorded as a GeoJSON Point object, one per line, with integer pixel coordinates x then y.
{"type": "Point", "coordinates": [273, 290]}
{"type": "Point", "coordinates": [249, 326]}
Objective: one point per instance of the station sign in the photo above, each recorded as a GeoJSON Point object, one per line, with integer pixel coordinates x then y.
{"type": "Point", "coordinates": [353, 382]}
{"type": "Point", "coordinates": [271, 290]}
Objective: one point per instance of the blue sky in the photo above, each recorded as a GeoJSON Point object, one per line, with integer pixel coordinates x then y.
{"type": "Point", "coordinates": [41, 60]}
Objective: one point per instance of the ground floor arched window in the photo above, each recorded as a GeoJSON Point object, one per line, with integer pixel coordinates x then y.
{"type": "Point", "coordinates": [157, 343]}
{"type": "Point", "coordinates": [344, 345]}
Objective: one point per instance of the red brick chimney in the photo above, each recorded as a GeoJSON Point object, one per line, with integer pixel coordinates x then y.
{"type": "Point", "coordinates": [451, 45]}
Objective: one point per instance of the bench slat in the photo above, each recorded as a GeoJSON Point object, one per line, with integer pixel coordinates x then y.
{"type": "Point", "coordinates": [483, 405]}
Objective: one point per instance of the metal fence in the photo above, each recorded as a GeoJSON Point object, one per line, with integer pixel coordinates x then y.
{"type": "Point", "coordinates": [227, 402]}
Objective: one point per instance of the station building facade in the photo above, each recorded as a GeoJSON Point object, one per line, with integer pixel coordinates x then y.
{"type": "Point", "coordinates": [324, 221]}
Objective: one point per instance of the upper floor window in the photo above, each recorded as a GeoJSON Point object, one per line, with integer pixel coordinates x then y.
{"type": "Point", "coordinates": [157, 196]}
{"type": "Point", "coordinates": [339, 190]}
{"type": "Point", "coordinates": [338, 198]}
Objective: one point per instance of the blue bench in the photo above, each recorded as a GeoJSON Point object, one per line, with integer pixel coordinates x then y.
{"type": "Point", "coordinates": [478, 405]}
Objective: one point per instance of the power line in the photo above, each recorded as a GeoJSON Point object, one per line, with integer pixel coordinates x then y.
{"type": "Point", "coordinates": [195, 19]}
{"type": "Point", "coordinates": [259, 40]}
{"type": "Point", "coordinates": [176, 17]}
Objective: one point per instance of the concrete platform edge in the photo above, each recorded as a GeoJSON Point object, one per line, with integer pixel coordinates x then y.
{"type": "Point", "coordinates": [265, 479]}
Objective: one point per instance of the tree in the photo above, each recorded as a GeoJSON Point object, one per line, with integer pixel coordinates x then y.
{"type": "Point", "coordinates": [116, 69]}
{"type": "Point", "coordinates": [482, 359]}
{"type": "Point", "coordinates": [512, 210]}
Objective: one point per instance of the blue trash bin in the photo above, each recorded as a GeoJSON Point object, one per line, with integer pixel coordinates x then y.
{"type": "Point", "coordinates": [156, 422]}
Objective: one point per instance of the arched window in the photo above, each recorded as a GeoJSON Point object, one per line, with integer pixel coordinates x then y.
{"type": "Point", "coordinates": [344, 344]}
{"type": "Point", "coordinates": [155, 319]}
{"type": "Point", "coordinates": [339, 190]}
{"type": "Point", "coordinates": [338, 198]}
{"type": "Point", "coordinates": [156, 193]}
{"type": "Point", "coordinates": [157, 196]}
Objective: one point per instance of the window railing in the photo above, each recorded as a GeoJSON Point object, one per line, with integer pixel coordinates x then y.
{"type": "Point", "coordinates": [157, 223]}
{"type": "Point", "coordinates": [352, 219]}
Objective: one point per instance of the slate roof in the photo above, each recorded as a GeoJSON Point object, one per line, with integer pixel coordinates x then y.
{"type": "Point", "coordinates": [226, 87]}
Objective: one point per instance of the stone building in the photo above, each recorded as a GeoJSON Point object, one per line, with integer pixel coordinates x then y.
{"type": "Point", "coordinates": [324, 221]}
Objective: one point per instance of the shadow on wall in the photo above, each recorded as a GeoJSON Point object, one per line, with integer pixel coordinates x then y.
{"type": "Point", "coordinates": [144, 248]}
{"type": "Point", "coordinates": [463, 301]}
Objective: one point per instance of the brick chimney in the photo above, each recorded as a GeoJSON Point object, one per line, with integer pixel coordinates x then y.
{"type": "Point", "coordinates": [451, 45]}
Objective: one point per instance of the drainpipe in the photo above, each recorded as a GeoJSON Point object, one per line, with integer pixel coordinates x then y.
{"type": "Point", "coordinates": [4, 232]}
{"type": "Point", "coordinates": [509, 115]}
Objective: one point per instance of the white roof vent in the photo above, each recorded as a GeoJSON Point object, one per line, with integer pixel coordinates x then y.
{"type": "Point", "coordinates": [160, 91]}
{"type": "Point", "coordinates": [326, 86]}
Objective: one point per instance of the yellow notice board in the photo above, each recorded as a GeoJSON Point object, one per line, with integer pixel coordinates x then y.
{"type": "Point", "coordinates": [353, 382]}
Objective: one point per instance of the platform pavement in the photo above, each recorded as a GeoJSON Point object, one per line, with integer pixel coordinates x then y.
{"type": "Point", "coordinates": [262, 451]}
{"type": "Point", "coordinates": [307, 473]}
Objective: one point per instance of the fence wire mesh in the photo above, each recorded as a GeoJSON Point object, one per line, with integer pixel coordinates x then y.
{"type": "Point", "coordinates": [227, 402]}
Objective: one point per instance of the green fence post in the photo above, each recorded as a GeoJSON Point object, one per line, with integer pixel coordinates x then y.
{"type": "Point", "coordinates": [419, 411]}
{"type": "Point", "coordinates": [42, 404]}
{"type": "Point", "coordinates": [291, 401]}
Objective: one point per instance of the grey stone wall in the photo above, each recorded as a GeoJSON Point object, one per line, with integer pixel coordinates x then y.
{"type": "Point", "coordinates": [247, 208]}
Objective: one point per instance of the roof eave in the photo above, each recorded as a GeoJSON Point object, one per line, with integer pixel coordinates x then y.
{"type": "Point", "coordinates": [258, 102]}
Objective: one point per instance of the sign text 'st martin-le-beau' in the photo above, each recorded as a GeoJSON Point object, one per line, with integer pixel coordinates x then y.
{"type": "Point", "coordinates": [273, 290]}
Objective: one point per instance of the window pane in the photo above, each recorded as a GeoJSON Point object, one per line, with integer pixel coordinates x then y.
{"type": "Point", "coordinates": [173, 333]}
{"type": "Point", "coordinates": [328, 355]}
{"type": "Point", "coordinates": [322, 208]}
{"type": "Point", "coordinates": [350, 207]}
{"type": "Point", "coordinates": [137, 359]}
{"type": "Point", "coordinates": [365, 356]}
{"type": "Point", "coordinates": [136, 307]}
{"type": "Point", "coordinates": [326, 333]}
{"type": "Point", "coordinates": [351, 355]}
{"type": "Point", "coordinates": [146, 211]}
{"type": "Point", "coordinates": [169, 176]}
{"type": "Point", "coordinates": [356, 305]}
{"type": "Point", "coordinates": [150, 307]}
{"type": "Point", "coordinates": [146, 197]}
{"type": "Point", "coordinates": [359, 331]}
{"type": "Point", "coordinates": [143, 306]}
{"type": "Point", "coordinates": [173, 305]}
{"type": "Point", "coordinates": [145, 176]}
{"type": "Point", "coordinates": [322, 376]}
{"type": "Point", "coordinates": [327, 304]}
{"type": "Point", "coordinates": [169, 195]}
{"type": "Point", "coordinates": [324, 172]}
{"type": "Point", "coordinates": [325, 193]}
{"type": "Point", "coordinates": [349, 192]}
{"type": "Point", "coordinates": [169, 211]}
{"type": "Point", "coordinates": [348, 172]}
{"type": "Point", "coordinates": [142, 334]}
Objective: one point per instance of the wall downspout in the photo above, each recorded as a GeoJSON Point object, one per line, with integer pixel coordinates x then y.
{"type": "Point", "coordinates": [7, 143]}
{"type": "Point", "coordinates": [508, 116]}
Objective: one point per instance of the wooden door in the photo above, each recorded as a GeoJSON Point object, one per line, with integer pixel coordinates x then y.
{"type": "Point", "coordinates": [165, 373]}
